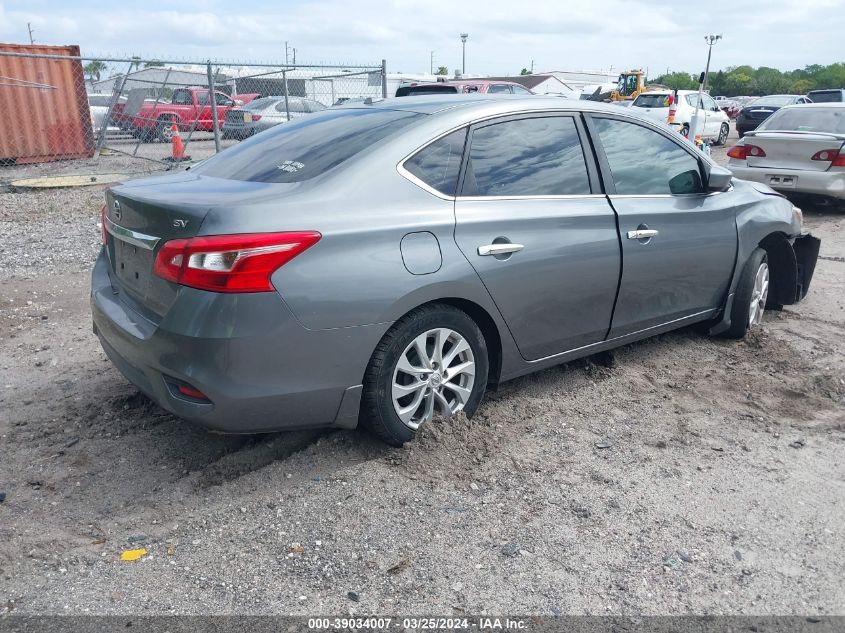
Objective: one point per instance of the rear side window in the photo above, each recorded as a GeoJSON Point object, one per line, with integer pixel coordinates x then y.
{"type": "Point", "coordinates": [306, 147]}
{"type": "Point", "coordinates": [539, 156]}
{"type": "Point", "coordinates": [652, 101]}
{"type": "Point", "coordinates": [500, 88]}
{"type": "Point", "coordinates": [438, 164]}
{"type": "Point", "coordinates": [643, 162]}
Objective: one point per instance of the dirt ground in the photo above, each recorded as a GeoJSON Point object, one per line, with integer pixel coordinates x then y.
{"type": "Point", "coordinates": [682, 474]}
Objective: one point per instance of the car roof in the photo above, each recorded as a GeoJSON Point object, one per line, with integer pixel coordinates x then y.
{"type": "Point", "coordinates": [471, 106]}
{"type": "Point", "coordinates": [804, 106]}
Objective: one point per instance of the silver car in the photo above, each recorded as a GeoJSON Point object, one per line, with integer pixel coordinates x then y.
{"type": "Point", "coordinates": [388, 262]}
{"type": "Point", "coordinates": [799, 149]}
{"type": "Point", "coordinates": [264, 113]}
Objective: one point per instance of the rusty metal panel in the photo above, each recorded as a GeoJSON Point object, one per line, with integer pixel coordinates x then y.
{"type": "Point", "coordinates": [44, 106]}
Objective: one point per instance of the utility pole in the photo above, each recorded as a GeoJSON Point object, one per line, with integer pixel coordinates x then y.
{"type": "Point", "coordinates": [431, 65]}
{"type": "Point", "coordinates": [696, 119]}
{"type": "Point", "coordinates": [286, 53]}
{"type": "Point", "coordinates": [294, 57]}
{"type": "Point", "coordinates": [29, 28]}
{"type": "Point", "coordinates": [532, 66]}
{"type": "Point", "coordinates": [464, 37]}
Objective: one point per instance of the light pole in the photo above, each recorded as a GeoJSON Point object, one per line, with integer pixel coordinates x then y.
{"type": "Point", "coordinates": [464, 37]}
{"type": "Point", "coordinates": [696, 119]}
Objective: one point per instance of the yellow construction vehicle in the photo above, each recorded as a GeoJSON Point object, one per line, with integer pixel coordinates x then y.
{"type": "Point", "coordinates": [629, 86]}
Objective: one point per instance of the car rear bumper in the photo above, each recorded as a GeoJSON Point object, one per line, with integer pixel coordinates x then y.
{"type": "Point", "coordinates": [823, 183]}
{"type": "Point", "coordinates": [259, 367]}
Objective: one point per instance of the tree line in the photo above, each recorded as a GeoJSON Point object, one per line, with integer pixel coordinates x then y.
{"type": "Point", "coordinates": [750, 81]}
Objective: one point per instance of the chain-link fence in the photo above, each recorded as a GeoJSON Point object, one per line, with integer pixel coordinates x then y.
{"type": "Point", "coordinates": [122, 114]}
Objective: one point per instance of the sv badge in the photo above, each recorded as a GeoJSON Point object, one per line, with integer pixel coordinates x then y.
{"type": "Point", "coordinates": [179, 223]}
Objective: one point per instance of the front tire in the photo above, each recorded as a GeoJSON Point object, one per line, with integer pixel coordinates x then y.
{"type": "Point", "coordinates": [433, 361]}
{"type": "Point", "coordinates": [751, 295]}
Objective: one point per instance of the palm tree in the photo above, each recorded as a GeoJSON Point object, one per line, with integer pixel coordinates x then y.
{"type": "Point", "coordinates": [94, 70]}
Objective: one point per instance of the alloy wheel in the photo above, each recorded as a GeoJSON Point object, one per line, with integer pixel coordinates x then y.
{"type": "Point", "coordinates": [759, 295]}
{"type": "Point", "coordinates": [434, 375]}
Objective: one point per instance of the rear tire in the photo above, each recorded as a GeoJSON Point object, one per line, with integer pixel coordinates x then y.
{"type": "Point", "coordinates": [723, 134]}
{"type": "Point", "coordinates": [164, 130]}
{"type": "Point", "coordinates": [452, 376]}
{"type": "Point", "coordinates": [751, 296]}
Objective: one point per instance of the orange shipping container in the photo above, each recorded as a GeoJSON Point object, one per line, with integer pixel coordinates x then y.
{"type": "Point", "coordinates": [44, 106]}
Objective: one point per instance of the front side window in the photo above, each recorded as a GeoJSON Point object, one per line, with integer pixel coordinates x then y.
{"type": "Point", "coordinates": [438, 164]}
{"type": "Point", "coordinates": [519, 90]}
{"type": "Point", "coordinates": [182, 97]}
{"type": "Point", "coordinates": [539, 156]}
{"type": "Point", "coordinates": [644, 162]}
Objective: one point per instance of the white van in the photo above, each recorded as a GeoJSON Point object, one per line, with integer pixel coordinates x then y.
{"type": "Point", "coordinates": [716, 126]}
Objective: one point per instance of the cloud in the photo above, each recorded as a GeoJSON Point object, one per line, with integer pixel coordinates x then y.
{"type": "Point", "coordinates": [504, 36]}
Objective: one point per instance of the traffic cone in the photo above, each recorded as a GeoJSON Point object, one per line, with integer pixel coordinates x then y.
{"type": "Point", "coordinates": [176, 139]}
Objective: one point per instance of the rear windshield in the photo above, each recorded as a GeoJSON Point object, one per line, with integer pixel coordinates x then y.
{"type": "Point", "coordinates": [807, 119]}
{"type": "Point", "coordinates": [652, 101]}
{"type": "Point", "coordinates": [404, 91]}
{"type": "Point", "coordinates": [774, 100]}
{"type": "Point", "coordinates": [826, 96]}
{"type": "Point", "coordinates": [306, 147]}
{"type": "Point", "coordinates": [260, 104]}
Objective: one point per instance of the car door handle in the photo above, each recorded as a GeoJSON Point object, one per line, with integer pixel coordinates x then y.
{"type": "Point", "coordinates": [499, 249]}
{"type": "Point", "coordinates": [642, 234]}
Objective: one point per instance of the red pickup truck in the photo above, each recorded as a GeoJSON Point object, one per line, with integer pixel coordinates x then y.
{"type": "Point", "coordinates": [190, 109]}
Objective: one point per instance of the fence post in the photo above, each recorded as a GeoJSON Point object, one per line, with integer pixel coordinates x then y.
{"type": "Point", "coordinates": [143, 131]}
{"type": "Point", "coordinates": [212, 102]}
{"type": "Point", "coordinates": [384, 78]}
{"type": "Point", "coordinates": [115, 97]}
{"type": "Point", "coordinates": [287, 105]}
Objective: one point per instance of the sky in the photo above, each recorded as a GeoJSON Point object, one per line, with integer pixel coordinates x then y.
{"type": "Point", "coordinates": [504, 36]}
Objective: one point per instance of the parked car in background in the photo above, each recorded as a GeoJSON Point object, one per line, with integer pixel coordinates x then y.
{"type": "Point", "coordinates": [758, 110]}
{"type": "Point", "coordinates": [264, 113]}
{"type": "Point", "coordinates": [388, 262]}
{"type": "Point", "coordinates": [467, 86]}
{"type": "Point", "coordinates": [837, 95]}
{"type": "Point", "coordinates": [799, 149]}
{"type": "Point", "coordinates": [99, 104]}
{"type": "Point", "coordinates": [729, 107]}
{"type": "Point", "coordinates": [189, 108]}
{"type": "Point", "coordinates": [655, 104]}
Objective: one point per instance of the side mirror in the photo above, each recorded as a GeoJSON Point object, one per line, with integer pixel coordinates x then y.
{"type": "Point", "coordinates": [718, 177]}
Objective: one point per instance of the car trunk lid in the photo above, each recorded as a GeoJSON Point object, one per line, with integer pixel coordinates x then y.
{"type": "Point", "coordinates": [142, 215]}
{"type": "Point", "coordinates": [791, 150]}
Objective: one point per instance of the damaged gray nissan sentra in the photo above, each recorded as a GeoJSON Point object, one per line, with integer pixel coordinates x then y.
{"type": "Point", "coordinates": [389, 261]}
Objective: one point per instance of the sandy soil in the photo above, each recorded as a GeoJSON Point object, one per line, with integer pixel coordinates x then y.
{"type": "Point", "coordinates": [679, 475]}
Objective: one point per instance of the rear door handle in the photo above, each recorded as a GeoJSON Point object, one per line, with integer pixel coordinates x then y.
{"type": "Point", "coordinates": [642, 234]}
{"type": "Point", "coordinates": [500, 249]}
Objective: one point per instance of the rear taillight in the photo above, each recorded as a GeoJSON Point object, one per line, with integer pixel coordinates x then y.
{"type": "Point", "coordinates": [833, 156]}
{"type": "Point", "coordinates": [230, 263]}
{"type": "Point", "coordinates": [742, 152]}
{"type": "Point", "coordinates": [105, 233]}
{"type": "Point", "coordinates": [256, 117]}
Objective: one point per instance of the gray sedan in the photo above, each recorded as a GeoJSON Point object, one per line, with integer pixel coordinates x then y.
{"type": "Point", "coordinates": [264, 113]}
{"type": "Point", "coordinates": [388, 262]}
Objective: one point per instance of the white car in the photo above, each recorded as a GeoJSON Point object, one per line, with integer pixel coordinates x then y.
{"type": "Point", "coordinates": [799, 149]}
{"type": "Point", "coordinates": [716, 125]}
{"type": "Point", "coordinates": [99, 104]}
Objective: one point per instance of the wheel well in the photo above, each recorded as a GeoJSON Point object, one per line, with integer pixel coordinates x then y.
{"type": "Point", "coordinates": [783, 268]}
{"type": "Point", "coordinates": [488, 328]}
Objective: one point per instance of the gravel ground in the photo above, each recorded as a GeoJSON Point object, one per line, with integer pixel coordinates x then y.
{"type": "Point", "coordinates": [682, 474]}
